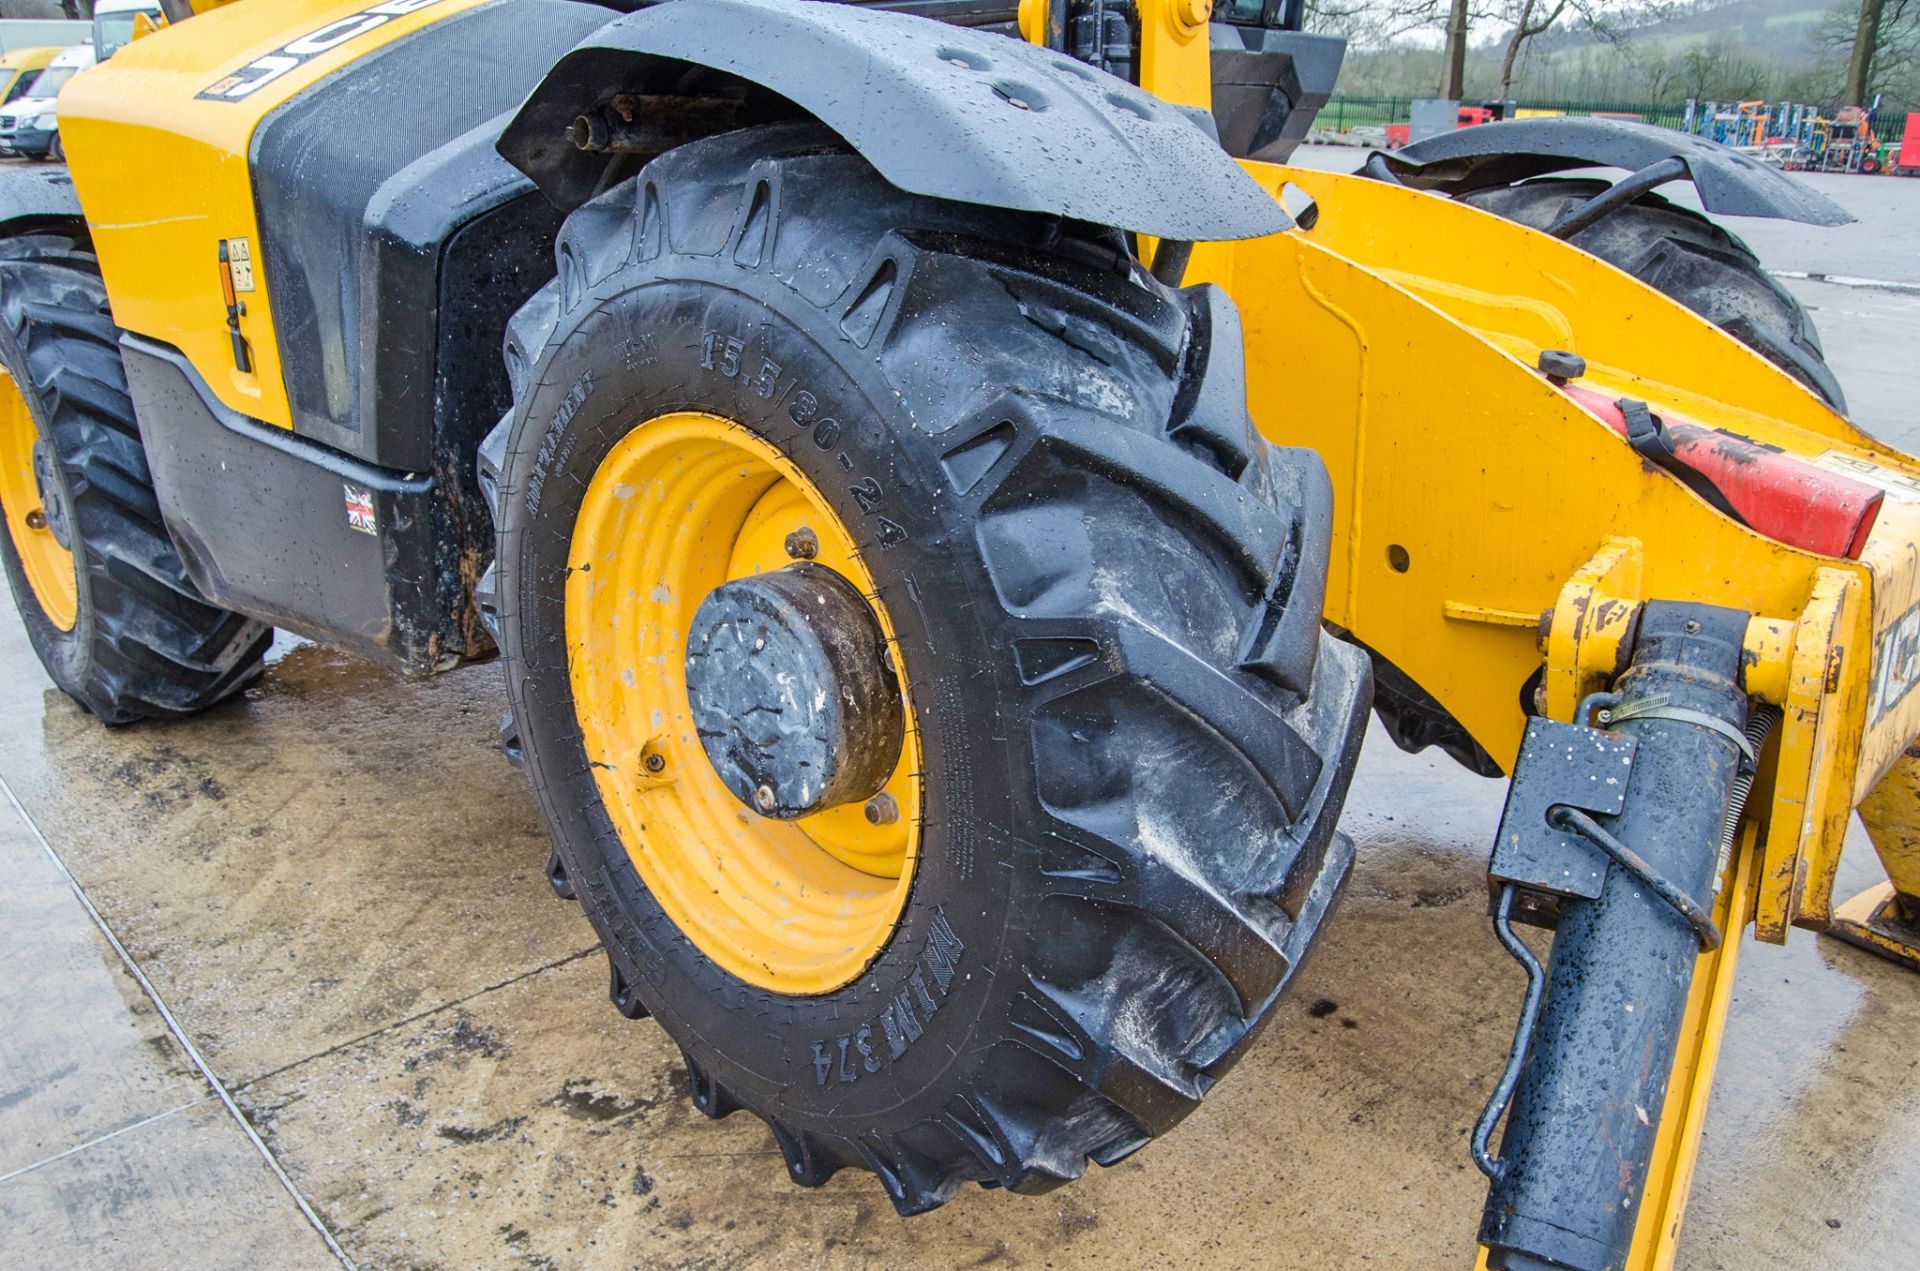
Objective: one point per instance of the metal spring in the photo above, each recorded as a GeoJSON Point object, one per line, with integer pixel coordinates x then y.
{"type": "Point", "coordinates": [1759, 724]}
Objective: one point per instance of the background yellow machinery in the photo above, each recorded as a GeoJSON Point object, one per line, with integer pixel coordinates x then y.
{"type": "Point", "coordinates": [18, 68]}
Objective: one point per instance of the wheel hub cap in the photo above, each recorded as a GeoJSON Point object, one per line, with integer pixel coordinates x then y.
{"type": "Point", "coordinates": [791, 701]}
{"type": "Point", "coordinates": [752, 745]}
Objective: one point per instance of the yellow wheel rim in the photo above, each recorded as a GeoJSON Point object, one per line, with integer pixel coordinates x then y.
{"type": "Point", "coordinates": [682, 504]}
{"type": "Point", "coordinates": [49, 566]}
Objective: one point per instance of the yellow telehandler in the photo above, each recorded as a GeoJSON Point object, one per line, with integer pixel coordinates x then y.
{"type": "Point", "coordinates": [946, 496]}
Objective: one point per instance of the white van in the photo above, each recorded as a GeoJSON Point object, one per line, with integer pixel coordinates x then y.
{"type": "Point", "coordinates": [28, 128]}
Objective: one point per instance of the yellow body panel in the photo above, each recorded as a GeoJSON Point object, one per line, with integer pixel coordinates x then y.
{"type": "Point", "coordinates": [1397, 337]}
{"type": "Point", "coordinates": [1891, 814]}
{"type": "Point", "coordinates": [1886, 918]}
{"type": "Point", "coordinates": [1410, 370]}
{"type": "Point", "coordinates": [163, 176]}
{"type": "Point", "coordinates": [1526, 290]}
{"type": "Point", "coordinates": [1174, 63]}
{"type": "Point", "coordinates": [1494, 486]}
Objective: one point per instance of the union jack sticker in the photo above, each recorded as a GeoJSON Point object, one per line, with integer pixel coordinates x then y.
{"type": "Point", "coordinates": [360, 510]}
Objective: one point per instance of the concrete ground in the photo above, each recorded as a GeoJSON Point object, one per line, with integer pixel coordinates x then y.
{"type": "Point", "coordinates": [283, 986]}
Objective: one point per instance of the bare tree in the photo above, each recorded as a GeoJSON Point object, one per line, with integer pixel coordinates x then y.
{"type": "Point", "coordinates": [1866, 36]}
{"type": "Point", "coordinates": [1712, 71]}
{"type": "Point", "coordinates": [1379, 22]}
{"type": "Point", "coordinates": [1456, 61]}
{"type": "Point", "coordinates": [1535, 17]}
{"type": "Point", "coordinates": [1873, 49]}
{"type": "Point", "coordinates": [1373, 23]}
{"type": "Point", "coordinates": [1610, 20]}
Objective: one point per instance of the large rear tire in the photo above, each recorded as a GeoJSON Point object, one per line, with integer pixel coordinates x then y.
{"type": "Point", "coordinates": [1101, 593]}
{"type": "Point", "coordinates": [1688, 257]}
{"type": "Point", "coordinates": [107, 603]}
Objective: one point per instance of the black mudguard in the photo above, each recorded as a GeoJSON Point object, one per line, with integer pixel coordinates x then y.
{"type": "Point", "coordinates": [1730, 183]}
{"type": "Point", "coordinates": [943, 111]}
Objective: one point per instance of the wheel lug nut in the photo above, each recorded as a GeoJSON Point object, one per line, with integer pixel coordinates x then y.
{"type": "Point", "coordinates": [763, 798]}
{"type": "Point", "coordinates": [36, 520]}
{"type": "Point", "coordinates": [882, 809]}
{"type": "Point", "coordinates": [654, 763]}
{"type": "Point", "coordinates": [802, 544]}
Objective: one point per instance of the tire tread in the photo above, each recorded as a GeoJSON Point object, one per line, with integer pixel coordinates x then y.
{"type": "Point", "coordinates": [155, 647]}
{"type": "Point", "coordinates": [1211, 946]}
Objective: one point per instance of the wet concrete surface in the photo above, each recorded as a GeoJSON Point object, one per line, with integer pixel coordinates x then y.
{"type": "Point", "coordinates": [114, 1149]}
{"type": "Point", "coordinates": [419, 1032]}
{"type": "Point", "coordinates": [334, 886]}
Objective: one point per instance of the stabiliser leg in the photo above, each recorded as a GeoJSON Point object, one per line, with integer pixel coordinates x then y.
{"type": "Point", "coordinates": [1612, 836]}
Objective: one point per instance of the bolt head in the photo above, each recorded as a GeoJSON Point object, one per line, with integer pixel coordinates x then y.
{"type": "Point", "coordinates": [1559, 366]}
{"type": "Point", "coordinates": [36, 520]}
{"type": "Point", "coordinates": [654, 763]}
{"type": "Point", "coordinates": [803, 544]}
{"type": "Point", "coordinates": [1193, 14]}
{"type": "Point", "coordinates": [784, 678]}
{"type": "Point", "coordinates": [882, 809]}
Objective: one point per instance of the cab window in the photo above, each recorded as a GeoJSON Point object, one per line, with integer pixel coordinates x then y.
{"type": "Point", "coordinates": [114, 31]}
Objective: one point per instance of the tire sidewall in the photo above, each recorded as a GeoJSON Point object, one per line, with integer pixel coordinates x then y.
{"type": "Point", "coordinates": [631, 352]}
{"type": "Point", "coordinates": [65, 654]}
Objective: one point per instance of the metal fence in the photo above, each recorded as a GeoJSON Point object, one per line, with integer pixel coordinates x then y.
{"type": "Point", "coordinates": [1343, 113]}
